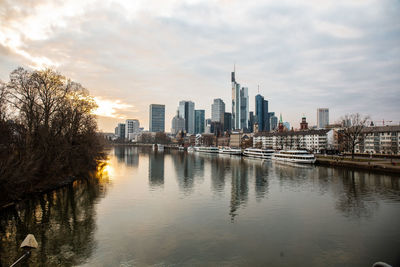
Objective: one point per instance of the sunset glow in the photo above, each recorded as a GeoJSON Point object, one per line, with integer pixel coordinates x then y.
{"type": "Point", "coordinates": [111, 108]}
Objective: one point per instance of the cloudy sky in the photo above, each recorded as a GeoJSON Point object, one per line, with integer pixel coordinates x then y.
{"type": "Point", "coordinates": [344, 55]}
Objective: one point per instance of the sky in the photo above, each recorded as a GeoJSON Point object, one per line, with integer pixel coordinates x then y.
{"type": "Point", "coordinates": [303, 55]}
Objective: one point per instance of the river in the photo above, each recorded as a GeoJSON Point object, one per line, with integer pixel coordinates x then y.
{"type": "Point", "coordinates": [189, 209]}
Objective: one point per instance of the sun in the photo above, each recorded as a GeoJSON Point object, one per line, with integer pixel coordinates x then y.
{"type": "Point", "coordinates": [109, 108]}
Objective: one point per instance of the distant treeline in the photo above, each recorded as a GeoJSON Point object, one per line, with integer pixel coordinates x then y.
{"type": "Point", "coordinates": [47, 132]}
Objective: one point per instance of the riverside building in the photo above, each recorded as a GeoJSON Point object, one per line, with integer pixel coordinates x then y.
{"type": "Point", "coordinates": [380, 140]}
{"type": "Point", "coordinates": [311, 140]}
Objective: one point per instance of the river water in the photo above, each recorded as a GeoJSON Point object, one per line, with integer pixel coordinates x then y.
{"type": "Point", "coordinates": [191, 209]}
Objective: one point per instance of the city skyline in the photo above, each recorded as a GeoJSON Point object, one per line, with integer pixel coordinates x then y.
{"type": "Point", "coordinates": [304, 55]}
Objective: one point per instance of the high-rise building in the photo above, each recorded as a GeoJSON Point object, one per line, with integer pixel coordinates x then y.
{"type": "Point", "coordinates": [131, 126]}
{"type": "Point", "coordinates": [251, 121]}
{"type": "Point", "coordinates": [322, 117]}
{"type": "Point", "coordinates": [244, 108]}
{"type": "Point", "coordinates": [262, 114]}
{"type": "Point", "coordinates": [273, 121]}
{"type": "Point", "coordinates": [186, 111]}
{"type": "Point", "coordinates": [199, 121]}
{"type": "Point", "coordinates": [178, 124]}
{"type": "Point", "coordinates": [218, 110]}
{"type": "Point", "coordinates": [240, 104]}
{"type": "Point", "coordinates": [121, 130]}
{"type": "Point", "coordinates": [157, 118]}
{"type": "Point", "coordinates": [227, 121]}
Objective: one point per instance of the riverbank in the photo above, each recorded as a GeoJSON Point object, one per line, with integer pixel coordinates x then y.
{"type": "Point", "coordinates": [36, 190]}
{"type": "Point", "coordinates": [376, 165]}
{"type": "Point", "coordinates": [47, 185]}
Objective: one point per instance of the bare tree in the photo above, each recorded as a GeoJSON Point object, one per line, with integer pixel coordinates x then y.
{"type": "Point", "coordinates": [352, 132]}
{"type": "Point", "coordinates": [3, 100]}
{"type": "Point", "coordinates": [161, 138]}
{"type": "Point", "coordinates": [207, 139]}
{"type": "Point", "coordinates": [258, 145]}
{"type": "Point", "coordinates": [52, 132]}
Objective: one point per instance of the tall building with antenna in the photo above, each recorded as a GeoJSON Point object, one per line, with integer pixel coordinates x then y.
{"type": "Point", "coordinates": [240, 104]}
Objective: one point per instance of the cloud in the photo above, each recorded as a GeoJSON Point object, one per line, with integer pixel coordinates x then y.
{"type": "Point", "coordinates": [303, 54]}
{"type": "Point", "coordinates": [112, 108]}
{"type": "Point", "coordinates": [337, 30]}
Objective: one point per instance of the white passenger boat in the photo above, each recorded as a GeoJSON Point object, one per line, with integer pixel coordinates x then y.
{"type": "Point", "coordinates": [158, 147]}
{"type": "Point", "coordinates": [230, 151]}
{"type": "Point", "coordinates": [296, 156]}
{"type": "Point", "coordinates": [190, 149]}
{"type": "Point", "coordinates": [258, 153]}
{"type": "Point", "coordinates": [210, 149]}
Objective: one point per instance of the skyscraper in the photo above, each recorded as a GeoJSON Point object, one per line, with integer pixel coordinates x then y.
{"type": "Point", "coordinates": [273, 121]}
{"type": "Point", "coordinates": [227, 121]}
{"type": "Point", "coordinates": [240, 104]}
{"type": "Point", "coordinates": [218, 110]}
{"type": "Point", "coordinates": [199, 121]}
{"type": "Point", "coordinates": [251, 121]}
{"type": "Point", "coordinates": [262, 114]}
{"type": "Point", "coordinates": [322, 117]}
{"type": "Point", "coordinates": [186, 111]}
{"type": "Point", "coordinates": [178, 124]}
{"type": "Point", "coordinates": [157, 118]}
{"type": "Point", "coordinates": [244, 108]}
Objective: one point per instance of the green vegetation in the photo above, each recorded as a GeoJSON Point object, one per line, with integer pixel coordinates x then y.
{"type": "Point", "coordinates": [47, 132]}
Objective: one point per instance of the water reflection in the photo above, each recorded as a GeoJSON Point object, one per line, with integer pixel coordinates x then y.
{"type": "Point", "coordinates": [63, 222]}
{"type": "Point", "coordinates": [127, 154]}
{"type": "Point", "coordinates": [234, 211]}
{"type": "Point", "coordinates": [188, 167]}
{"type": "Point", "coordinates": [261, 173]}
{"type": "Point", "coordinates": [156, 169]}
{"type": "Point", "coordinates": [240, 189]}
{"type": "Point", "coordinates": [361, 192]}
{"type": "Point", "coordinates": [220, 167]}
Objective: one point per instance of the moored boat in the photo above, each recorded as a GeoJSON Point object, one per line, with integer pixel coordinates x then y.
{"type": "Point", "coordinates": [258, 153]}
{"type": "Point", "coordinates": [295, 156]}
{"type": "Point", "coordinates": [158, 147]}
{"type": "Point", "coordinates": [211, 149]}
{"type": "Point", "coordinates": [230, 151]}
